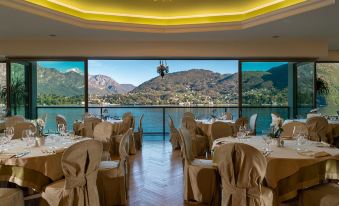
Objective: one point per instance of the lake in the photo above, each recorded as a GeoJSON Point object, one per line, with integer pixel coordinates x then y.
{"type": "Point", "coordinates": [154, 116]}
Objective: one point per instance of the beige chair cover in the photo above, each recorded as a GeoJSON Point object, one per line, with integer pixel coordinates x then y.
{"type": "Point", "coordinates": [253, 124]}
{"type": "Point", "coordinates": [242, 169]}
{"type": "Point", "coordinates": [20, 127]}
{"type": "Point", "coordinates": [174, 135]}
{"type": "Point", "coordinates": [317, 129]}
{"type": "Point", "coordinates": [11, 121]}
{"type": "Point", "coordinates": [126, 114]}
{"type": "Point", "coordinates": [220, 129]}
{"type": "Point", "coordinates": [103, 133]}
{"type": "Point", "coordinates": [242, 121]}
{"type": "Point", "coordinates": [60, 119]}
{"type": "Point", "coordinates": [139, 134]}
{"type": "Point", "coordinates": [80, 164]}
{"type": "Point", "coordinates": [11, 197]}
{"type": "Point", "coordinates": [200, 176]}
{"type": "Point", "coordinates": [189, 114]}
{"type": "Point", "coordinates": [228, 116]}
{"type": "Point", "coordinates": [322, 195]}
{"type": "Point", "coordinates": [289, 127]}
{"type": "Point", "coordinates": [89, 125]}
{"type": "Point", "coordinates": [200, 141]}
{"type": "Point", "coordinates": [127, 123]}
{"type": "Point", "coordinates": [113, 176]}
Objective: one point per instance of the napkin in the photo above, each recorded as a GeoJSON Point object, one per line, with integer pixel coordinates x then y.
{"type": "Point", "coordinates": [315, 154]}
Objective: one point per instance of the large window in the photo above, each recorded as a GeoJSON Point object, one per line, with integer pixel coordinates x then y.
{"type": "Point", "coordinates": [60, 84]}
{"type": "Point", "coordinates": [328, 99]}
{"type": "Point", "coordinates": [264, 90]}
{"type": "Point", "coordinates": [190, 83]}
{"type": "Point", "coordinates": [305, 88]}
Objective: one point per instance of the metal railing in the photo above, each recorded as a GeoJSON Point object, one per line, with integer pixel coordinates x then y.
{"type": "Point", "coordinates": [156, 117]}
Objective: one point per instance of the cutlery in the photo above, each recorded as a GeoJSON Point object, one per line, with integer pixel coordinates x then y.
{"type": "Point", "coordinates": [21, 154]}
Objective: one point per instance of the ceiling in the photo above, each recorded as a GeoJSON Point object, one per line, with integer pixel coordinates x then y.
{"type": "Point", "coordinates": [320, 24]}
{"type": "Point", "coordinates": [167, 16]}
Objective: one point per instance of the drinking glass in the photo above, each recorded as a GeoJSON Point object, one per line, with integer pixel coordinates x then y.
{"type": "Point", "coordinates": [267, 139]}
{"type": "Point", "coordinates": [301, 141]}
{"type": "Point", "coordinates": [296, 132]}
{"type": "Point", "coordinates": [9, 133]}
{"type": "Point", "coordinates": [27, 138]}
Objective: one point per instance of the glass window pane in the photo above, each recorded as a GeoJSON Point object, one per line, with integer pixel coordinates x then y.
{"type": "Point", "coordinates": [328, 101]}
{"type": "Point", "coordinates": [19, 88]}
{"type": "Point", "coordinates": [3, 81]}
{"type": "Point", "coordinates": [305, 88]}
{"type": "Point", "coordinates": [189, 83]}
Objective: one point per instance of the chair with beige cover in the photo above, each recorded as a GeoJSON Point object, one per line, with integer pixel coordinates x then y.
{"type": "Point", "coordinates": [200, 141]}
{"type": "Point", "coordinates": [11, 197]}
{"type": "Point", "coordinates": [112, 179]}
{"type": "Point", "coordinates": [11, 121]}
{"type": "Point", "coordinates": [228, 116]}
{"type": "Point", "coordinates": [189, 114]}
{"type": "Point", "coordinates": [139, 134]}
{"type": "Point", "coordinates": [242, 169]}
{"type": "Point", "coordinates": [317, 129]}
{"type": "Point", "coordinates": [220, 129]}
{"type": "Point", "coordinates": [127, 123]}
{"type": "Point", "coordinates": [241, 122]}
{"type": "Point", "coordinates": [288, 129]}
{"type": "Point", "coordinates": [60, 119]}
{"type": "Point", "coordinates": [103, 133]}
{"type": "Point", "coordinates": [321, 195]}
{"type": "Point", "coordinates": [80, 164]}
{"type": "Point", "coordinates": [200, 176]}
{"type": "Point", "coordinates": [20, 127]}
{"type": "Point", "coordinates": [253, 124]}
{"type": "Point", "coordinates": [89, 125]}
{"type": "Point", "coordinates": [174, 135]}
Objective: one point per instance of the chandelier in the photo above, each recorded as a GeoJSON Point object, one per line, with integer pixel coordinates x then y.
{"type": "Point", "coordinates": [162, 68]}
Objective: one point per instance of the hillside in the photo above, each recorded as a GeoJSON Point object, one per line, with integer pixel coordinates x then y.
{"type": "Point", "coordinates": [104, 85]}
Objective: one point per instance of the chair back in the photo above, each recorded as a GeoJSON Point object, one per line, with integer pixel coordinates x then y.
{"type": "Point", "coordinates": [312, 114]}
{"type": "Point", "coordinates": [174, 133]}
{"type": "Point", "coordinates": [44, 117]}
{"type": "Point", "coordinates": [189, 123]}
{"type": "Point", "coordinates": [140, 129]}
{"type": "Point", "coordinates": [189, 114]}
{"type": "Point", "coordinates": [126, 114]}
{"type": "Point", "coordinates": [60, 119]}
{"type": "Point", "coordinates": [253, 123]}
{"type": "Point", "coordinates": [11, 121]}
{"type": "Point", "coordinates": [220, 129]}
{"type": "Point", "coordinates": [289, 127]}
{"type": "Point", "coordinates": [89, 125]}
{"type": "Point", "coordinates": [127, 122]}
{"type": "Point", "coordinates": [242, 169]}
{"type": "Point", "coordinates": [123, 152]}
{"type": "Point", "coordinates": [102, 133]}
{"type": "Point", "coordinates": [20, 127]}
{"type": "Point", "coordinates": [228, 116]}
{"type": "Point", "coordinates": [317, 129]}
{"type": "Point", "coordinates": [80, 164]}
{"type": "Point", "coordinates": [186, 145]}
{"type": "Point", "coordinates": [242, 121]}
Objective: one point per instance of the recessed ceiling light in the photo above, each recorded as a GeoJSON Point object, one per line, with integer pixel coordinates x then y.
{"type": "Point", "coordinates": [52, 35]}
{"type": "Point", "coordinates": [275, 36]}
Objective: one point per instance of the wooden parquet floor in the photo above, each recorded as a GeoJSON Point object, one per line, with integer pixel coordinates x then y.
{"type": "Point", "coordinates": [156, 176]}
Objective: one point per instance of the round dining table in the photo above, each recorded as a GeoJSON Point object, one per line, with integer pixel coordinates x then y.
{"type": "Point", "coordinates": [292, 168]}
{"type": "Point", "coordinates": [34, 166]}
{"type": "Point", "coordinates": [206, 125]}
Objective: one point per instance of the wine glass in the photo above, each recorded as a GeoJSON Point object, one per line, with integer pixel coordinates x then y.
{"type": "Point", "coordinates": [267, 139]}
{"type": "Point", "coordinates": [296, 132]}
{"type": "Point", "coordinates": [26, 137]}
{"type": "Point", "coordinates": [9, 132]}
{"type": "Point", "coordinates": [301, 141]}
{"type": "Point", "coordinates": [61, 129]}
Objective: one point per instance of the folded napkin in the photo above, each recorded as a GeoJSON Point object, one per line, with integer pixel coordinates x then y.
{"type": "Point", "coordinates": [315, 154]}
{"type": "Point", "coordinates": [6, 156]}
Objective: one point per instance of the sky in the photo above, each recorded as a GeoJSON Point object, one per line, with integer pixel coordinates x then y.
{"type": "Point", "coordinates": [138, 71]}
{"type": "Point", "coordinates": [63, 66]}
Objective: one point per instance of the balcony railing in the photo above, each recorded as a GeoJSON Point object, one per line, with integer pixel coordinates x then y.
{"type": "Point", "coordinates": [156, 118]}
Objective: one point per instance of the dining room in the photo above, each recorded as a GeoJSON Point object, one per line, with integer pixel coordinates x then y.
{"type": "Point", "coordinates": [167, 102]}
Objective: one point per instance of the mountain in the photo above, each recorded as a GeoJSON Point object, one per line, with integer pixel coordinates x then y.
{"type": "Point", "coordinates": [76, 70]}
{"type": "Point", "coordinates": [104, 85]}
{"type": "Point", "coordinates": [52, 81]}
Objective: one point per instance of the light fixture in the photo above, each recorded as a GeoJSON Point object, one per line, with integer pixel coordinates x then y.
{"type": "Point", "coordinates": [162, 68]}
